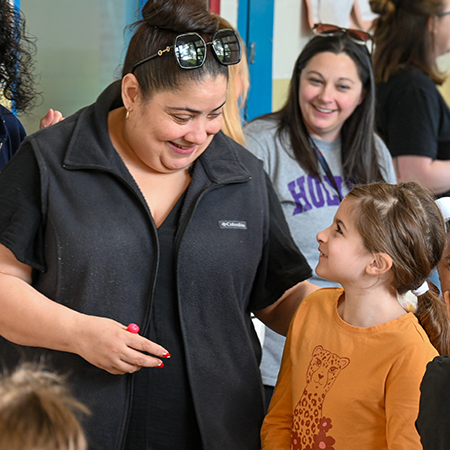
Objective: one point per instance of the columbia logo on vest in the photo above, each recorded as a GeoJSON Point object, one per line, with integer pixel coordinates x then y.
{"type": "Point", "coordinates": [233, 224]}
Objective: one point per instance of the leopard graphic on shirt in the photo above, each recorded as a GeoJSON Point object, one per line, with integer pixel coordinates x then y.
{"type": "Point", "coordinates": [309, 427]}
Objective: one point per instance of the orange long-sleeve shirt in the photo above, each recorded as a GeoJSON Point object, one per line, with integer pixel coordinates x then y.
{"type": "Point", "coordinates": [347, 388]}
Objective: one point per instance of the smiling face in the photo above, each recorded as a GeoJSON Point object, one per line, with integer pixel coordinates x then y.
{"type": "Point", "coordinates": [330, 90]}
{"type": "Point", "coordinates": [343, 257]}
{"type": "Point", "coordinates": [171, 130]}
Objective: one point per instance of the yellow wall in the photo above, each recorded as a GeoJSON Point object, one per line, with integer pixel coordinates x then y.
{"type": "Point", "coordinates": [444, 66]}
{"type": "Point", "coordinates": [280, 93]}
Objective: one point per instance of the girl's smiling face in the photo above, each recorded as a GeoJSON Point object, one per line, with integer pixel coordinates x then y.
{"type": "Point", "coordinates": [330, 90]}
{"type": "Point", "coordinates": [343, 257]}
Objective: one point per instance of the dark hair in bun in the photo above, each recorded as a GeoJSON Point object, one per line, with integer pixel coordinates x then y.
{"type": "Point", "coordinates": [162, 21]}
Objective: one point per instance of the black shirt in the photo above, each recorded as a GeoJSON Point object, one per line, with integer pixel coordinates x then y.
{"type": "Point", "coordinates": [412, 117]}
{"type": "Point", "coordinates": [163, 415]}
{"type": "Point", "coordinates": [433, 422]}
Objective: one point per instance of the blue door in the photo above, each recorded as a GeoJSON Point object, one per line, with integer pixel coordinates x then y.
{"type": "Point", "coordinates": [255, 25]}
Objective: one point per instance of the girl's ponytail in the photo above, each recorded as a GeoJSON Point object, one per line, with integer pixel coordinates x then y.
{"type": "Point", "coordinates": [432, 315]}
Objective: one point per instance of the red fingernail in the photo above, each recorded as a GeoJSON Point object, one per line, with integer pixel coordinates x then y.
{"type": "Point", "coordinates": [166, 355]}
{"type": "Point", "coordinates": [161, 364]}
{"type": "Point", "coordinates": [133, 328]}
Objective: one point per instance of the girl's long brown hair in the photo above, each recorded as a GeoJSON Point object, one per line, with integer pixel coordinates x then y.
{"type": "Point", "coordinates": [404, 222]}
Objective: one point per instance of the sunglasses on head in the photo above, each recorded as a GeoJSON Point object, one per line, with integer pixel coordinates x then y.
{"type": "Point", "coordinates": [359, 37]}
{"type": "Point", "coordinates": [190, 49]}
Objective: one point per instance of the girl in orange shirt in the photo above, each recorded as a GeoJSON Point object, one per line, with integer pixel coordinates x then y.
{"type": "Point", "coordinates": [354, 358]}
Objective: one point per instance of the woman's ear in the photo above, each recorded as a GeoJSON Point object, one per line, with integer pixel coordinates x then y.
{"type": "Point", "coordinates": [380, 264]}
{"type": "Point", "coordinates": [130, 91]}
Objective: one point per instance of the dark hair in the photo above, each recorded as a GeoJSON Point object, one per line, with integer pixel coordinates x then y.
{"type": "Point", "coordinates": [359, 155]}
{"type": "Point", "coordinates": [17, 49]}
{"type": "Point", "coordinates": [402, 38]}
{"type": "Point", "coordinates": [162, 21]}
{"type": "Point", "coordinates": [404, 222]}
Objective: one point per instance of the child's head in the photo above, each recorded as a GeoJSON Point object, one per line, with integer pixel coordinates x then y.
{"type": "Point", "coordinates": [404, 222]}
{"type": "Point", "coordinates": [37, 412]}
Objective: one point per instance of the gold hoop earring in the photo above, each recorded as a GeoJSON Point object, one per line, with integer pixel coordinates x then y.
{"type": "Point", "coordinates": [127, 115]}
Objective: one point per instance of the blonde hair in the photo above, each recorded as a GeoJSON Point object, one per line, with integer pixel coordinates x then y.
{"type": "Point", "coordinates": [237, 74]}
{"type": "Point", "coordinates": [37, 412]}
{"type": "Point", "coordinates": [404, 222]}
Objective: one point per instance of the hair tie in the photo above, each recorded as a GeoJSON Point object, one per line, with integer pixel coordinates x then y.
{"type": "Point", "coordinates": [444, 206]}
{"type": "Point", "coordinates": [421, 290]}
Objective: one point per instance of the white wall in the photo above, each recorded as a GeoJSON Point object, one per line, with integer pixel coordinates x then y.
{"type": "Point", "coordinates": [290, 36]}
{"type": "Point", "coordinates": [229, 10]}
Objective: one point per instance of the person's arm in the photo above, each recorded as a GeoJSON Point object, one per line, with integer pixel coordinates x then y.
{"type": "Point", "coordinates": [402, 396]}
{"type": "Point", "coordinates": [412, 117]}
{"type": "Point", "coordinates": [432, 174]}
{"type": "Point", "coordinates": [283, 265]}
{"type": "Point", "coordinates": [29, 318]}
{"type": "Point", "coordinates": [278, 316]}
